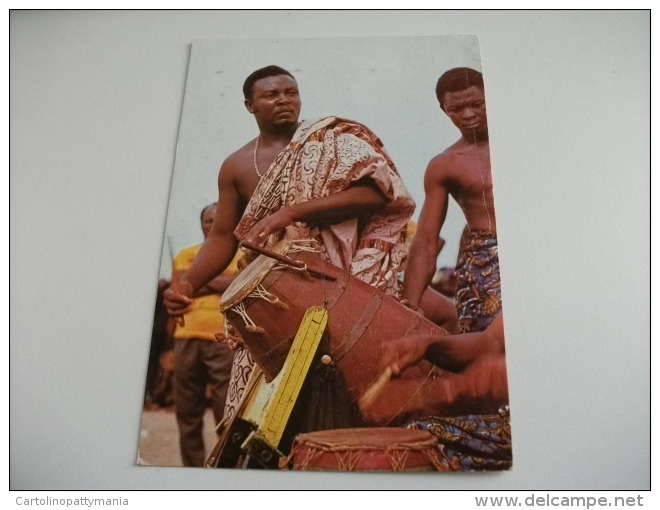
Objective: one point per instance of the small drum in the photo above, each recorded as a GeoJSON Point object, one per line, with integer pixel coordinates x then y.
{"type": "Point", "coordinates": [267, 301]}
{"type": "Point", "coordinates": [368, 449]}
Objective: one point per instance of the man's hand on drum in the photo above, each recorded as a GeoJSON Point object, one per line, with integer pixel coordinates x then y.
{"type": "Point", "coordinates": [177, 299]}
{"type": "Point", "coordinates": [480, 388]}
{"type": "Point", "coordinates": [403, 352]}
{"type": "Point", "coordinates": [483, 382]}
{"type": "Point", "coordinates": [279, 220]}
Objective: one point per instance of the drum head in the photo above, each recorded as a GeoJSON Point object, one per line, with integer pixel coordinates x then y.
{"type": "Point", "coordinates": [248, 279]}
{"type": "Point", "coordinates": [365, 438]}
{"type": "Point", "coordinates": [366, 449]}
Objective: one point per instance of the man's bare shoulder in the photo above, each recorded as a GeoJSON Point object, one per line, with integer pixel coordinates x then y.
{"type": "Point", "coordinates": [239, 159]}
{"type": "Point", "coordinates": [237, 175]}
{"type": "Point", "coordinates": [443, 163]}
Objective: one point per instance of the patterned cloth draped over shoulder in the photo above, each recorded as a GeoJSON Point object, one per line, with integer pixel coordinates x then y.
{"type": "Point", "coordinates": [324, 157]}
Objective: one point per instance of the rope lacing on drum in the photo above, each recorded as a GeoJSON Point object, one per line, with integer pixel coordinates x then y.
{"type": "Point", "coordinates": [398, 456]}
{"type": "Point", "coordinates": [398, 459]}
{"type": "Point", "coordinates": [310, 246]}
{"type": "Point", "coordinates": [249, 323]}
{"type": "Point", "coordinates": [259, 292]}
{"type": "Point", "coordinates": [436, 457]}
{"type": "Point", "coordinates": [348, 459]}
{"type": "Point", "coordinates": [282, 265]}
{"type": "Point", "coordinates": [309, 456]}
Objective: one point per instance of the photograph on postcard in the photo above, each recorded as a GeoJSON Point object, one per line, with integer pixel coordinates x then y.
{"type": "Point", "coordinates": [329, 293]}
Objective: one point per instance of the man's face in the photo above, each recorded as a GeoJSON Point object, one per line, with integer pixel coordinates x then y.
{"type": "Point", "coordinates": [467, 110]}
{"type": "Point", "coordinates": [207, 219]}
{"type": "Point", "coordinates": [275, 100]}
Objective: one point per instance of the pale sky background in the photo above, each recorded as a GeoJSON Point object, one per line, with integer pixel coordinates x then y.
{"type": "Point", "coordinates": [387, 84]}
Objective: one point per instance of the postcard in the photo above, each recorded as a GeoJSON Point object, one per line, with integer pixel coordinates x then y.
{"type": "Point", "coordinates": [330, 293]}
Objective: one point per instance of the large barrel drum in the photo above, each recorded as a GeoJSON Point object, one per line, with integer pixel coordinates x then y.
{"type": "Point", "coordinates": [266, 304]}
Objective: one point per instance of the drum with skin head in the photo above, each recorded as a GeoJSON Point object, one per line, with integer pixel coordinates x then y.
{"type": "Point", "coordinates": [366, 449]}
{"type": "Point", "coordinates": [267, 301]}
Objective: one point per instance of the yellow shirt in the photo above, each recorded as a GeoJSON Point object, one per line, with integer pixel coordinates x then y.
{"type": "Point", "coordinates": [204, 319]}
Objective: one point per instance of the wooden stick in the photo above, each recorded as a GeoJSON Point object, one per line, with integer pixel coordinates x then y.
{"type": "Point", "coordinates": [298, 264]}
{"type": "Point", "coordinates": [369, 397]}
{"type": "Point", "coordinates": [273, 255]}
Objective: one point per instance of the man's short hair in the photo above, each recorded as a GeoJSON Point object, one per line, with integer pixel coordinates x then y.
{"type": "Point", "coordinates": [201, 215]}
{"type": "Point", "coordinates": [264, 72]}
{"type": "Point", "coordinates": [457, 79]}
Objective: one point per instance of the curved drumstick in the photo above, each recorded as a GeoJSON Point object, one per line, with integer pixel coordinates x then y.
{"type": "Point", "coordinates": [298, 264]}
{"type": "Point", "coordinates": [273, 255]}
{"type": "Point", "coordinates": [369, 397]}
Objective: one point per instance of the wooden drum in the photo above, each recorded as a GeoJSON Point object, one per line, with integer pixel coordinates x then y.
{"type": "Point", "coordinates": [267, 301]}
{"type": "Point", "coordinates": [367, 449]}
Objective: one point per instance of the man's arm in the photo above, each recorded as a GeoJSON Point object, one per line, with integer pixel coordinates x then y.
{"type": "Point", "coordinates": [456, 353]}
{"type": "Point", "coordinates": [476, 382]}
{"type": "Point", "coordinates": [218, 285]}
{"type": "Point", "coordinates": [177, 320]}
{"type": "Point", "coordinates": [360, 199]}
{"type": "Point", "coordinates": [439, 309]}
{"type": "Point", "coordinates": [218, 249]}
{"type": "Point", "coordinates": [426, 245]}
{"type": "Point", "coordinates": [450, 352]}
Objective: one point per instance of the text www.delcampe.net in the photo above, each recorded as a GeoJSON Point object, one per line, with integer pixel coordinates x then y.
{"type": "Point", "coordinates": [547, 500]}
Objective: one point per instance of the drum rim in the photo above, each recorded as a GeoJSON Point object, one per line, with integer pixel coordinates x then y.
{"type": "Point", "coordinates": [263, 264]}
{"type": "Point", "coordinates": [367, 438]}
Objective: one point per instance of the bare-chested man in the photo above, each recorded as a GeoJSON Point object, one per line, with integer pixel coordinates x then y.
{"type": "Point", "coordinates": [271, 95]}
{"type": "Point", "coordinates": [462, 171]}
{"type": "Point", "coordinates": [327, 179]}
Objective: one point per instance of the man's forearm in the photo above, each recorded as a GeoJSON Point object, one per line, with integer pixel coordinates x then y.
{"type": "Point", "coordinates": [420, 267]}
{"type": "Point", "coordinates": [455, 352]}
{"type": "Point", "coordinates": [213, 258]}
{"type": "Point", "coordinates": [347, 204]}
{"type": "Point", "coordinates": [218, 285]}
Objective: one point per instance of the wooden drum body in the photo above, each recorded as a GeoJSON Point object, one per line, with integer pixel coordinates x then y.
{"type": "Point", "coordinates": [268, 299]}
{"type": "Point", "coordinates": [367, 449]}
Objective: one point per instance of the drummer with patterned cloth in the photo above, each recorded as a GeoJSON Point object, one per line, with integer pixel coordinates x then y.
{"type": "Point", "coordinates": [328, 179]}
{"type": "Point", "coordinates": [477, 437]}
{"type": "Point", "coordinates": [472, 424]}
{"type": "Point", "coordinates": [463, 172]}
